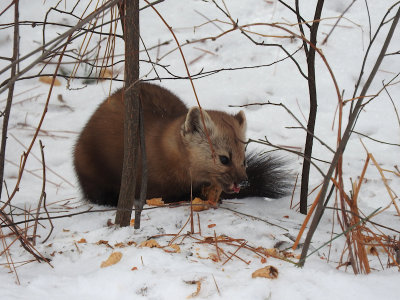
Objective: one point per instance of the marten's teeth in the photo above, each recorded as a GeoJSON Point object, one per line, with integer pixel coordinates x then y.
{"type": "Point", "coordinates": [236, 188]}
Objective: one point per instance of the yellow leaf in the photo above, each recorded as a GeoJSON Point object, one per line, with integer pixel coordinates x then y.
{"type": "Point", "coordinates": [155, 202]}
{"type": "Point", "coordinates": [112, 259]}
{"type": "Point", "coordinates": [49, 79]}
{"type": "Point", "coordinates": [199, 205]}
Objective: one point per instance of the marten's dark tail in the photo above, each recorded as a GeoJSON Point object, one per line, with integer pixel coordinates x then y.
{"type": "Point", "coordinates": [267, 177]}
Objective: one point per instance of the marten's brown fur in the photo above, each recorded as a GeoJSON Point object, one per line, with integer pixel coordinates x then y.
{"type": "Point", "coordinates": [179, 156]}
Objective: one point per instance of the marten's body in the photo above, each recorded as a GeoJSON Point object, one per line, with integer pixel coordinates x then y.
{"type": "Point", "coordinates": [179, 156]}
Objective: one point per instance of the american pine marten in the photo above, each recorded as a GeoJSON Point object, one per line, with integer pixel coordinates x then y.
{"type": "Point", "coordinates": [179, 156]}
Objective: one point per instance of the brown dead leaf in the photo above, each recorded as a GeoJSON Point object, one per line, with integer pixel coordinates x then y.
{"type": "Point", "coordinates": [150, 243]}
{"type": "Point", "coordinates": [130, 243]}
{"type": "Point", "coordinates": [199, 205]}
{"type": "Point", "coordinates": [134, 269]}
{"type": "Point", "coordinates": [81, 241]}
{"type": "Point", "coordinates": [174, 248]}
{"type": "Point", "coordinates": [114, 258]}
{"type": "Point", "coordinates": [49, 79]}
{"type": "Point", "coordinates": [371, 250]}
{"type": "Point", "coordinates": [271, 252]}
{"type": "Point", "coordinates": [214, 257]}
{"type": "Point", "coordinates": [102, 242]}
{"type": "Point", "coordinates": [132, 222]}
{"type": "Point", "coordinates": [119, 245]}
{"type": "Point", "coordinates": [197, 292]}
{"type": "Point", "coordinates": [211, 225]}
{"type": "Point", "coordinates": [268, 251]}
{"type": "Point", "coordinates": [263, 260]}
{"type": "Point", "coordinates": [267, 272]}
{"type": "Point", "coordinates": [155, 202]}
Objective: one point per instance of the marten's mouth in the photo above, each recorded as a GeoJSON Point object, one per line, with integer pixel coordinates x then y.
{"type": "Point", "coordinates": [232, 188]}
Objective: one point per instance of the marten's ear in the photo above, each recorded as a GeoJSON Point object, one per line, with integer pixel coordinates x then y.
{"type": "Point", "coordinates": [194, 123]}
{"type": "Point", "coordinates": [241, 118]}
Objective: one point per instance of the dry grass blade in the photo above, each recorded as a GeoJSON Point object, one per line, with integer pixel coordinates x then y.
{"type": "Point", "coordinates": [10, 262]}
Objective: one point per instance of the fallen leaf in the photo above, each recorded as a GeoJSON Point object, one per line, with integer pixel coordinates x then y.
{"type": "Point", "coordinates": [114, 258]}
{"type": "Point", "coordinates": [197, 292]}
{"type": "Point", "coordinates": [130, 243]}
{"type": "Point", "coordinates": [267, 272]}
{"type": "Point", "coordinates": [214, 257]}
{"type": "Point", "coordinates": [263, 260]}
{"type": "Point", "coordinates": [134, 269]}
{"type": "Point", "coordinates": [289, 254]}
{"type": "Point", "coordinates": [211, 225]}
{"type": "Point", "coordinates": [120, 245]}
{"type": "Point", "coordinates": [150, 243]}
{"type": "Point", "coordinates": [372, 251]}
{"type": "Point", "coordinates": [155, 202]}
{"type": "Point", "coordinates": [175, 249]}
{"type": "Point", "coordinates": [81, 241]}
{"type": "Point", "coordinates": [269, 252]}
{"type": "Point", "coordinates": [199, 205]}
{"type": "Point", "coordinates": [49, 79]}
{"type": "Point", "coordinates": [132, 222]}
{"type": "Point", "coordinates": [102, 242]}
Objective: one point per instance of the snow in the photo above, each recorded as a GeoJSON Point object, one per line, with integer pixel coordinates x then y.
{"type": "Point", "coordinates": [76, 272]}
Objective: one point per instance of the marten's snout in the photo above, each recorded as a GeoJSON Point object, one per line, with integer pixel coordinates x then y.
{"type": "Point", "coordinates": [242, 181]}
{"type": "Point", "coordinates": [244, 184]}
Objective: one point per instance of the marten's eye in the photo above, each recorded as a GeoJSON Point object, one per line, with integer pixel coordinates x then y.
{"type": "Point", "coordinates": [224, 160]}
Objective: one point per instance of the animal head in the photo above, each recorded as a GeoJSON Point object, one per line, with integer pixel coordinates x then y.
{"type": "Point", "coordinates": [224, 163]}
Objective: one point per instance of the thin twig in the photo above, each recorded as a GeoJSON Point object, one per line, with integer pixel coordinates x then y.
{"type": "Point", "coordinates": [344, 140]}
{"type": "Point", "coordinates": [337, 22]}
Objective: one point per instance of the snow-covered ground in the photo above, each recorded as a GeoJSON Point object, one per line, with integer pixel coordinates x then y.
{"type": "Point", "coordinates": [75, 245]}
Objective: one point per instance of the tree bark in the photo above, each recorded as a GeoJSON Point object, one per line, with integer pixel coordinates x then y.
{"type": "Point", "coordinates": [313, 109]}
{"type": "Point", "coordinates": [131, 118]}
{"type": "Point", "coordinates": [7, 110]}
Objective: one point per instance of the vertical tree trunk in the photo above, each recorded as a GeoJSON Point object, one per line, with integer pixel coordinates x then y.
{"type": "Point", "coordinates": [313, 109]}
{"type": "Point", "coordinates": [7, 110]}
{"type": "Point", "coordinates": [126, 199]}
